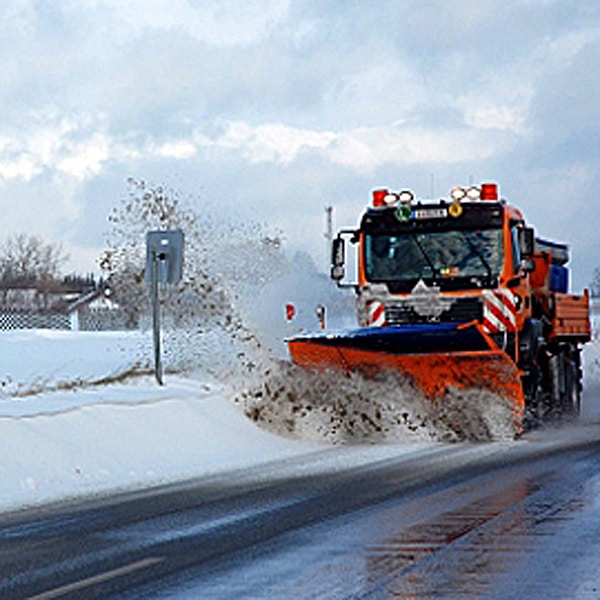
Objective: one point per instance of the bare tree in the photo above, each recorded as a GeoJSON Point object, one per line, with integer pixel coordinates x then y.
{"type": "Point", "coordinates": [29, 270]}
{"type": "Point", "coordinates": [595, 284]}
{"type": "Point", "coordinates": [28, 260]}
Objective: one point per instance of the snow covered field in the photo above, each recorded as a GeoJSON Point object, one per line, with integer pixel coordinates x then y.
{"type": "Point", "coordinates": [61, 436]}
{"type": "Point", "coordinates": [69, 427]}
{"type": "Point", "coordinates": [72, 423]}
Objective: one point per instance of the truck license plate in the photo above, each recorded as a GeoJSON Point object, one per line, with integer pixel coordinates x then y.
{"type": "Point", "coordinates": [432, 213]}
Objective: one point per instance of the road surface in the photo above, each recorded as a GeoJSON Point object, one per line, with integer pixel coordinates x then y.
{"type": "Point", "coordinates": [453, 521]}
{"type": "Point", "coordinates": [525, 526]}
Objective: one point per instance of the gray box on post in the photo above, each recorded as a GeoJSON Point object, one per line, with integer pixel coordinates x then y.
{"type": "Point", "coordinates": [165, 249]}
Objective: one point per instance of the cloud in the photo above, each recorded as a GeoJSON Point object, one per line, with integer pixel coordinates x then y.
{"type": "Point", "coordinates": [362, 149]}
{"type": "Point", "coordinates": [402, 145]}
{"type": "Point", "coordinates": [566, 114]}
{"type": "Point", "coordinates": [216, 22]}
{"type": "Point", "coordinates": [292, 97]}
{"type": "Point", "coordinates": [270, 142]}
{"type": "Point", "coordinates": [74, 146]}
{"type": "Point", "coordinates": [177, 149]}
{"type": "Point", "coordinates": [84, 159]}
{"type": "Point", "coordinates": [79, 147]}
{"type": "Point", "coordinates": [43, 206]}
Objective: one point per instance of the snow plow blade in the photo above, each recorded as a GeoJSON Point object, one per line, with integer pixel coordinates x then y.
{"type": "Point", "coordinates": [437, 357]}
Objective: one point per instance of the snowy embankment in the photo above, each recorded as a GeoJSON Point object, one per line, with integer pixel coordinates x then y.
{"type": "Point", "coordinates": [66, 429]}
{"type": "Point", "coordinates": [72, 425]}
{"type": "Point", "coordinates": [75, 421]}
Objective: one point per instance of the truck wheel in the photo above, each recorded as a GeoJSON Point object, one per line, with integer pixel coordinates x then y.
{"type": "Point", "coordinates": [572, 405]}
{"type": "Point", "coordinates": [534, 398]}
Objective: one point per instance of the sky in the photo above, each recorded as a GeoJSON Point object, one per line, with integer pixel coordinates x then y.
{"type": "Point", "coordinates": [272, 110]}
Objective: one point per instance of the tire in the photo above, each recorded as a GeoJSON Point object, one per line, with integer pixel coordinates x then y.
{"type": "Point", "coordinates": [572, 401]}
{"type": "Point", "coordinates": [531, 361]}
{"type": "Point", "coordinates": [553, 390]}
{"type": "Point", "coordinates": [535, 398]}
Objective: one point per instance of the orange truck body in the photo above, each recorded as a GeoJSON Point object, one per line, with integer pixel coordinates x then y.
{"type": "Point", "coordinates": [459, 294]}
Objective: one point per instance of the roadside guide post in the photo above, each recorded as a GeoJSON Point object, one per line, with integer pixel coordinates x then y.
{"type": "Point", "coordinates": [320, 312]}
{"type": "Point", "coordinates": [164, 264]}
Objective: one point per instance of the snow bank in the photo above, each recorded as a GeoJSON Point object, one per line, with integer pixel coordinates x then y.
{"type": "Point", "coordinates": [126, 436]}
{"type": "Point", "coordinates": [68, 430]}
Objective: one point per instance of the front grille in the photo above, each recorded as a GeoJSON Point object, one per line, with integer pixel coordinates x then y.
{"type": "Point", "coordinates": [462, 309]}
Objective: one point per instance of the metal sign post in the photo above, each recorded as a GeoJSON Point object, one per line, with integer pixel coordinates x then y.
{"type": "Point", "coordinates": [164, 264]}
{"type": "Point", "coordinates": [158, 373]}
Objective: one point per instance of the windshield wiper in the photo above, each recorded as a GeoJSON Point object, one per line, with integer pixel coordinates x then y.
{"type": "Point", "coordinates": [474, 248]}
{"type": "Point", "coordinates": [426, 257]}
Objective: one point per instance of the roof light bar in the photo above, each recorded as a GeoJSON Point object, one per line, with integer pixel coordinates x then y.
{"type": "Point", "coordinates": [489, 191]}
{"type": "Point", "coordinates": [391, 199]}
{"type": "Point", "coordinates": [457, 194]}
{"type": "Point", "coordinates": [473, 193]}
{"type": "Point", "coordinates": [455, 209]}
{"type": "Point", "coordinates": [406, 196]}
{"type": "Point", "coordinates": [379, 197]}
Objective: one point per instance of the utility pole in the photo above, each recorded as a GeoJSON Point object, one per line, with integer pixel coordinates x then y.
{"type": "Point", "coordinates": [328, 234]}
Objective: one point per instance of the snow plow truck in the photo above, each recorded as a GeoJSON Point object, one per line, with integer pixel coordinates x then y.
{"type": "Point", "coordinates": [459, 293]}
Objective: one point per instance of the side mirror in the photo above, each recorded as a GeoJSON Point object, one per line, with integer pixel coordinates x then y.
{"type": "Point", "coordinates": [526, 242]}
{"type": "Point", "coordinates": [527, 265]}
{"type": "Point", "coordinates": [338, 259]}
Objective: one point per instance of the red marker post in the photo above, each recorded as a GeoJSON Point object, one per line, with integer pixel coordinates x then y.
{"type": "Point", "coordinates": [320, 312]}
{"type": "Point", "coordinates": [290, 312]}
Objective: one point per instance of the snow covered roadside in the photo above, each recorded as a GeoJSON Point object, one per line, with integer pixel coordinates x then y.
{"type": "Point", "coordinates": [61, 437]}
{"type": "Point", "coordinates": [125, 436]}
{"type": "Point", "coordinates": [40, 360]}
{"type": "Point", "coordinates": [70, 427]}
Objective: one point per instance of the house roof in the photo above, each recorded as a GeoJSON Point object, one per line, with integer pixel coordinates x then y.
{"type": "Point", "coordinates": [87, 298]}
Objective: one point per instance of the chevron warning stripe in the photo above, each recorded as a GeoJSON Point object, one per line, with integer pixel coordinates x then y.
{"type": "Point", "coordinates": [499, 311]}
{"type": "Point", "coordinates": [375, 314]}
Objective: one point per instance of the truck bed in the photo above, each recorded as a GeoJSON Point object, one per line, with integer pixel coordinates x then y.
{"type": "Point", "coordinates": [570, 318]}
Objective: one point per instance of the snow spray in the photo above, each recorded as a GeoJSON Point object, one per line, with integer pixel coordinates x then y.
{"type": "Point", "coordinates": [226, 319]}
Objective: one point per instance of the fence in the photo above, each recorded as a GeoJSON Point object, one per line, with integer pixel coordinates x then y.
{"type": "Point", "coordinates": [101, 320]}
{"type": "Point", "coordinates": [15, 320]}
{"type": "Point", "coordinates": [105, 320]}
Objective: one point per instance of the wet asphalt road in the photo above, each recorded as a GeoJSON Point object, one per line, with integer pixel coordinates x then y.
{"type": "Point", "coordinates": [522, 527]}
{"type": "Point", "coordinates": [515, 520]}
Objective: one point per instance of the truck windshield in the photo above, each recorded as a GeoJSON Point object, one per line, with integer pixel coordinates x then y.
{"type": "Point", "coordinates": [445, 257]}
